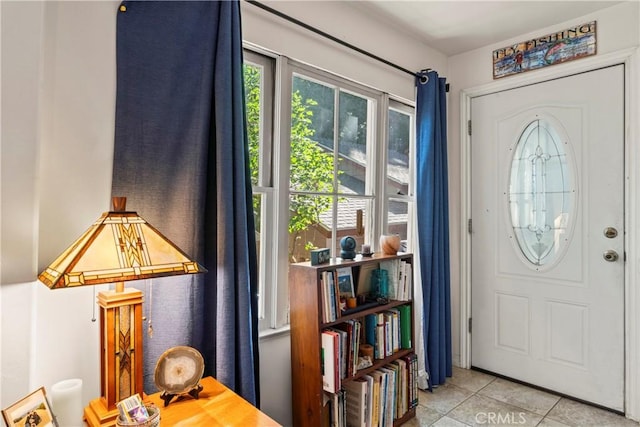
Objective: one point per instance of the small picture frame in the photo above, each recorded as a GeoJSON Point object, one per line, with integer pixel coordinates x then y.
{"type": "Point", "coordinates": [345, 283]}
{"type": "Point", "coordinates": [31, 411]}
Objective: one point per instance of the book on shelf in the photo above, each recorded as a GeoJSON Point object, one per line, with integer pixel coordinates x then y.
{"type": "Point", "coordinates": [370, 392]}
{"type": "Point", "coordinates": [405, 382]}
{"type": "Point", "coordinates": [364, 279]}
{"type": "Point", "coordinates": [381, 379]}
{"type": "Point", "coordinates": [332, 299]}
{"type": "Point", "coordinates": [342, 351]}
{"type": "Point", "coordinates": [394, 325]}
{"type": "Point", "coordinates": [324, 298]}
{"type": "Point", "coordinates": [405, 326]}
{"type": "Point", "coordinates": [401, 399]}
{"type": "Point", "coordinates": [350, 330]}
{"type": "Point", "coordinates": [356, 402]}
{"type": "Point", "coordinates": [330, 361]}
{"type": "Point", "coordinates": [407, 281]}
{"type": "Point", "coordinates": [375, 407]}
{"type": "Point", "coordinates": [379, 349]}
{"type": "Point", "coordinates": [400, 274]}
{"type": "Point", "coordinates": [355, 347]}
{"type": "Point", "coordinates": [388, 333]}
{"type": "Point", "coordinates": [337, 416]}
{"type": "Point", "coordinates": [342, 408]}
{"type": "Point", "coordinates": [370, 326]}
{"type": "Point", "coordinates": [392, 391]}
{"type": "Point", "coordinates": [412, 379]}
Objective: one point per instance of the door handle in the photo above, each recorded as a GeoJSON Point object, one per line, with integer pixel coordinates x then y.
{"type": "Point", "coordinates": [610, 255]}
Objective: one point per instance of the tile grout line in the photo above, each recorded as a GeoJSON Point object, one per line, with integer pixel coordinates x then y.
{"type": "Point", "coordinates": [552, 408]}
{"type": "Point", "coordinates": [473, 393]}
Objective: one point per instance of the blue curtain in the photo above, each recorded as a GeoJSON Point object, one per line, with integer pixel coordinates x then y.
{"type": "Point", "coordinates": [433, 223]}
{"type": "Point", "coordinates": [181, 159]}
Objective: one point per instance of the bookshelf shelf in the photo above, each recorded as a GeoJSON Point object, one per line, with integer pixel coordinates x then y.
{"type": "Point", "coordinates": [378, 364]}
{"type": "Point", "coordinates": [358, 314]}
{"type": "Point", "coordinates": [314, 306]}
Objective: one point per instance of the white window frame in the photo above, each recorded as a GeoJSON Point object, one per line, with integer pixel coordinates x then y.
{"type": "Point", "coordinates": [409, 198]}
{"type": "Point", "coordinates": [266, 187]}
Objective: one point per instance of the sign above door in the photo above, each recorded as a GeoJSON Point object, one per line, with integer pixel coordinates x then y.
{"type": "Point", "coordinates": [561, 46]}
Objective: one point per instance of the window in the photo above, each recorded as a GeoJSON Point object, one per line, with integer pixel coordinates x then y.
{"type": "Point", "coordinates": [330, 186]}
{"type": "Point", "coordinates": [259, 97]}
{"type": "Point", "coordinates": [541, 192]}
{"type": "Point", "coordinates": [399, 172]}
{"type": "Point", "coordinates": [321, 168]}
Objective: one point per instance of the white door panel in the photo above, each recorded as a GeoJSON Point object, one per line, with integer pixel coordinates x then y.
{"type": "Point", "coordinates": [547, 307]}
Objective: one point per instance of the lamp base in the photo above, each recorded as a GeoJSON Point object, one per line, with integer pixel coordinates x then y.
{"type": "Point", "coordinates": [97, 414]}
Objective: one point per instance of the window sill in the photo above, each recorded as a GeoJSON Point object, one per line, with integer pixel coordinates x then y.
{"type": "Point", "coordinates": [271, 333]}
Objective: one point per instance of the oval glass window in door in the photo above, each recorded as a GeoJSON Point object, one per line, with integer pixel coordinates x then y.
{"type": "Point", "coordinates": [541, 192]}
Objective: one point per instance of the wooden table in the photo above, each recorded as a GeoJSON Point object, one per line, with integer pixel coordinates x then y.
{"type": "Point", "coordinates": [217, 406]}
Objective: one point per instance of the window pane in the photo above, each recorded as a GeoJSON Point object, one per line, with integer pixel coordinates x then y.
{"type": "Point", "coordinates": [307, 226]}
{"type": "Point", "coordinates": [259, 99]}
{"type": "Point", "coordinates": [398, 153]}
{"type": "Point", "coordinates": [540, 193]}
{"type": "Point", "coordinates": [253, 93]}
{"type": "Point", "coordinates": [259, 218]}
{"type": "Point", "coordinates": [398, 219]}
{"type": "Point", "coordinates": [312, 107]}
{"type": "Point", "coordinates": [351, 220]}
{"type": "Point", "coordinates": [352, 149]}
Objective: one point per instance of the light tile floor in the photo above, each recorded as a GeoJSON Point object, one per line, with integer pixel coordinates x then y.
{"type": "Point", "coordinates": [472, 398]}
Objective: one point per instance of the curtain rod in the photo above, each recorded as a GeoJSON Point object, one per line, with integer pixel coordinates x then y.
{"type": "Point", "coordinates": [330, 37]}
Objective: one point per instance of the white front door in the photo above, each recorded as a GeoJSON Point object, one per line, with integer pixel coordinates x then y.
{"type": "Point", "coordinates": [547, 242]}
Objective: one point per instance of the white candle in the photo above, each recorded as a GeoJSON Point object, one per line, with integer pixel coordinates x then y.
{"type": "Point", "coordinates": [66, 402]}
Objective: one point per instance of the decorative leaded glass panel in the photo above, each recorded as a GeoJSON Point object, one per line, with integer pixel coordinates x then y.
{"type": "Point", "coordinates": [541, 192]}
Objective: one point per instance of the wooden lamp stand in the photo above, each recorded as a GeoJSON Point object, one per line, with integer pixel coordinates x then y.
{"type": "Point", "coordinates": [121, 353]}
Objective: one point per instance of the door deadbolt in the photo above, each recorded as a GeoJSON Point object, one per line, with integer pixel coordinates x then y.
{"type": "Point", "coordinates": [610, 255]}
{"type": "Point", "coordinates": [610, 232]}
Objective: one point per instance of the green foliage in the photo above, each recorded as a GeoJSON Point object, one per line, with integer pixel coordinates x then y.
{"type": "Point", "coordinates": [252, 100]}
{"type": "Point", "coordinates": [311, 170]}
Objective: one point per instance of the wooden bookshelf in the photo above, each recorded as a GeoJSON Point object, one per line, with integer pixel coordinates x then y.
{"type": "Point", "coordinates": [306, 301]}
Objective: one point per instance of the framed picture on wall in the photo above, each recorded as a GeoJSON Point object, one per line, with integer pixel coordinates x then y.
{"type": "Point", "coordinates": [31, 411]}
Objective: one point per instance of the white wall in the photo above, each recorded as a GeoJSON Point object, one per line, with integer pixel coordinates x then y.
{"type": "Point", "coordinates": [275, 377]}
{"type": "Point", "coordinates": [58, 99]}
{"type": "Point", "coordinates": [617, 28]}
{"type": "Point", "coordinates": [20, 65]}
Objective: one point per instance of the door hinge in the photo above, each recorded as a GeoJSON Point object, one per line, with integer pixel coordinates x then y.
{"type": "Point", "coordinates": [469, 324]}
{"type": "Point", "coordinates": [469, 226]}
{"type": "Point", "coordinates": [469, 127]}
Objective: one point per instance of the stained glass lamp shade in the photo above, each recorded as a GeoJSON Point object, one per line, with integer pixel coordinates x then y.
{"type": "Point", "coordinates": [118, 247]}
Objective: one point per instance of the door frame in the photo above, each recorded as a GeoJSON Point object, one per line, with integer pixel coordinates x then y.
{"type": "Point", "coordinates": [630, 58]}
